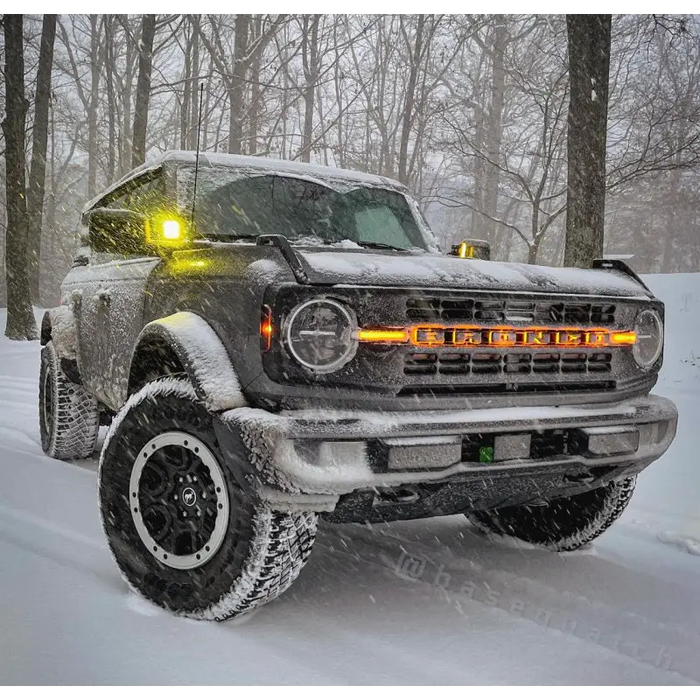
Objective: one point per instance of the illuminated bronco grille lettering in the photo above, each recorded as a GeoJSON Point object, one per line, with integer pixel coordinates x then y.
{"type": "Point", "coordinates": [469, 336]}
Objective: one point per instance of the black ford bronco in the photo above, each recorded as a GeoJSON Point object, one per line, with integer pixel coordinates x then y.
{"type": "Point", "coordinates": [274, 342]}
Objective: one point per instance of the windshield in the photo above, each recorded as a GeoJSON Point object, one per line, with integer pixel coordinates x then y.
{"type": "Point", "coordinates": [304, 210]}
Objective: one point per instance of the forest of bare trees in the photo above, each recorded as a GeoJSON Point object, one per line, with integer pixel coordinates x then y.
{"type": "Point", "coordinates": [470, 111]}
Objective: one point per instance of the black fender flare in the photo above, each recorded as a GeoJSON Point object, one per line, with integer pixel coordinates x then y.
{"type": "Point", "coordinates": [201, 354]}
{"type": "Point", "coordinates": [60, 325]}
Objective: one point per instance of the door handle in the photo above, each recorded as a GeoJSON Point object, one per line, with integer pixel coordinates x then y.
{"type": "Point", "coordinates": [76, 299]}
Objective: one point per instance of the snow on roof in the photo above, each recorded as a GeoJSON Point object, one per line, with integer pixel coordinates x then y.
{"type": "Point", "coordinates": [253, 163]}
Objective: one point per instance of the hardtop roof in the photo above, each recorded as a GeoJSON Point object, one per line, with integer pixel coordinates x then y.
{"type": "Point", "coordinates": [257, 164]}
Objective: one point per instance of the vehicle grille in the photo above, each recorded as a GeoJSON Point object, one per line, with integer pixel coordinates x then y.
{"type": "Point", "coordinates": [461, 363]}
{"type": "Point", "coordinates": [450, 307]}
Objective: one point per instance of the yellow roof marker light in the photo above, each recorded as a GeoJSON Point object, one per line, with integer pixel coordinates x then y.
{"type": "Point", "coordinates": [466, 250]}
{"type": "Point", "coordinates": [171, 230]}
{"type": "Point", "coordinates": [167, 230]}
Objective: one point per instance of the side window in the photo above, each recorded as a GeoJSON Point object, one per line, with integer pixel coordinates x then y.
{"type": "Point", "coordinates": [120, 202]}
{"type": "Point", "coordinates": [144, 195]}
{"type": "Point", "coordinates": [147, 197]}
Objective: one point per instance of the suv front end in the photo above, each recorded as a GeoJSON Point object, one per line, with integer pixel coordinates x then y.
{"type": "Point", "coordinates": [398, 402]}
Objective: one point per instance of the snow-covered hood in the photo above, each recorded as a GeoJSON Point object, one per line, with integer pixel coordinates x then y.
{"type": "Point", "coordinates": [389, 269]}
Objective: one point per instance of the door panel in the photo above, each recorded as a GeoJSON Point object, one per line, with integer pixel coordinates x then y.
{"type": "Point", "coordinates": [110, 319]}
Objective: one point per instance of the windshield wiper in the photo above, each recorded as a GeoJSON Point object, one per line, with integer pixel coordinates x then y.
{"type": "Point", "coordinates": [379, 246]}
{"type": "Point", "coordinates": [228, 237]}
{"type": "Point", "coordinates": [296, 240]}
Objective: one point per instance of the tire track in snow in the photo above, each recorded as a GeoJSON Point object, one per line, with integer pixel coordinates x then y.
{"type": "Point", "coordinates": [61, 545]}
{"type": "Point", "coordinates": [460, 580]}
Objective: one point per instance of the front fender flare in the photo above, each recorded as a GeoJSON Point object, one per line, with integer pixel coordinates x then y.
{"type": "Point", "coordinates": [60, 325]}
{"type": "Point", "coordinates": [201, 354]}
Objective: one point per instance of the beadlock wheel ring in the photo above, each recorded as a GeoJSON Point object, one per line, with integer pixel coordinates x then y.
{"type": "Point", "coordinates": [47, 404]}
{"type": "Point", "coordinates": [181, 497]}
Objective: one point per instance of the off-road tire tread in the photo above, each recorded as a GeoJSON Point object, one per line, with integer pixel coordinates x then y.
{"type": "Point", "coordinates": [521, 522]}
{"type": "Point", "coordinates": [76, 420]}
{"type": "Point", "coordinates": [280, 543]}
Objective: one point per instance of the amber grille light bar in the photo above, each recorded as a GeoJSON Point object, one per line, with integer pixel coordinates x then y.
{"type": "Point", "coordinates": [383, 335]}
{"type": "Point", "coordinates": [430, 336]}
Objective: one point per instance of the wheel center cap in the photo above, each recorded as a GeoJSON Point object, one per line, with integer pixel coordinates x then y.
{"type": "Point", "coordinates": [189, 497]}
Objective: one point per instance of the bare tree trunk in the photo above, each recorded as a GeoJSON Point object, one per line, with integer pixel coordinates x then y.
{"type": "Point", "coordinates": [589, 69]}
{"type": "Point", "coordinates": [477, 223]}
{"type": "Point", "coordinates": [185, 103]}
{"type": "Point", "coordinates": [495, 128]}
{"type": "Point", "coordinates": [143, 90]}
{"type": "Point", "coordinates": [95, 70]}
{"type": "Point", "coordinates": [40, 133]}
{"type": "Point", "coordinates": [255, 67]}
{"type": "Point", "coordinates": [125, 150]}
{"type": "Point", "coordinates": [110, 69]}
{"type": "Point", "coordinates": [206, 113]}
{"type": "Point", "coordinates": [51, 200]}
{"type": "Point", "coordinates": [668, 240]}
{"type": "Point", "coordinates": [20, 316]}
{"type": "Point", "coordinates": [284, 110]}
{"type": "Point", "coordinates": [194, 94]}
{"type": "Point", "coordinates": [415, 58]}
{"type": "Point", "coordinates": [340, 122]}
{"type": "Point", "coordinates": [309, 55]}
{"type": "Point", "coordinates": [237, 83]}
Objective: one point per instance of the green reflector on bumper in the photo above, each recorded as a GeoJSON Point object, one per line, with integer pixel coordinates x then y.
{"type": "Point", "coordinates": [486, 454]}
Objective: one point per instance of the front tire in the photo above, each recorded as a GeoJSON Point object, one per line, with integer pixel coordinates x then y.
{"type": "Point", "coordinates": [564, 524]}
{"type": "Point", "coordinates": [69, 418]}
{"type": "Point", "coordinates": [184, 532]}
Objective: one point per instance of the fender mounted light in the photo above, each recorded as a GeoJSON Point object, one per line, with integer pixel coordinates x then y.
{"type": "Point", "coordinates": [266, 328]}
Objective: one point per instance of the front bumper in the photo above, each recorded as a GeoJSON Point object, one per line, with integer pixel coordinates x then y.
{"type": "Point", "coordinates": [308, 459]}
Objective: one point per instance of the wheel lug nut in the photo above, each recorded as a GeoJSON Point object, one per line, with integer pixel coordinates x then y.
{"type": "Point", "coordinates": [175, 497]}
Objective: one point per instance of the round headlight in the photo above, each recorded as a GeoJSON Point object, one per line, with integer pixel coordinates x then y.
{"type": "Point", "coordinates": [650, 338]}
{"type": "Point", "coordinates": [321, 334]}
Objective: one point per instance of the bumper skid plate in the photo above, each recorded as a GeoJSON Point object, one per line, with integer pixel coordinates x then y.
{"type": "Point", "coordinates": [308, 459]}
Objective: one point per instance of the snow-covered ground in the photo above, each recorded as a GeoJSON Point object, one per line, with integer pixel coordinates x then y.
{"type": "Point", "coordinates": [421, 602]}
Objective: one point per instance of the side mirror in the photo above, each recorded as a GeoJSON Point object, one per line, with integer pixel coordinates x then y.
{"type": "Point", "coordinates": [480, 250]}
{"type": "Point", "coordinates": [117, 231]}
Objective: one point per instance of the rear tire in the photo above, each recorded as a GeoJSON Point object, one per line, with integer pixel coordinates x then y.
{"type": "Point", "coordinates": [184, 532]}
{"type": "Point", "coordinates": [69, 419]}
{"type": "Point", "coordinates": [564, 524]}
